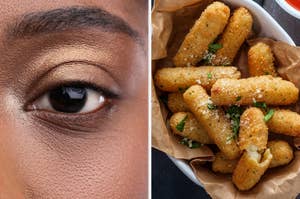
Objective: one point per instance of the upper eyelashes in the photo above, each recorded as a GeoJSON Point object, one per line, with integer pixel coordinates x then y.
{"type": "Point", "coordinates": [72, 99]}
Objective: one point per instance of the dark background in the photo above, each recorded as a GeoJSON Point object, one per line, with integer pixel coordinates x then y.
{"type": "Point", "coordinates": [168, 182]}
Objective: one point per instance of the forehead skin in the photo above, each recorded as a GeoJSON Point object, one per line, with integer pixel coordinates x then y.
{"type": "Point", "coordinates": [118, 171]}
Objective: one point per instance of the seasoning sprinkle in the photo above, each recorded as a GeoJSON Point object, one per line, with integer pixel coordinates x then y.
{"type": "Point", "coordinates": [181, 124]}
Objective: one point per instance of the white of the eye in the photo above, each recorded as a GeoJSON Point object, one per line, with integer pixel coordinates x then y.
{"type": "Point", "coordinates": [94, 100]}
{"type": "Point", "coordinates": [43, 103]}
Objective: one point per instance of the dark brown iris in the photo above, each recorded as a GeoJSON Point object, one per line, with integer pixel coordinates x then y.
{"type": "Point", "coordinates": [68, 99]}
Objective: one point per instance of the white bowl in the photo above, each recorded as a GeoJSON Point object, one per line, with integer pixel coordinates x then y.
{"type": "Point", "coordinates": [288, 8]}
{"type": "Point", "coordinates": [264, 25]}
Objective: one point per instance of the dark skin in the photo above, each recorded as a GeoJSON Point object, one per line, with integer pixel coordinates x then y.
{"type": "Point", "coordinates": [99, 153]}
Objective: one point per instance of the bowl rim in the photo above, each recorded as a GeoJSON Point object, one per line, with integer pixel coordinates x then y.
{"type": "Point", "coordinates": [288, 8]}
{"type": "Point", "coordinates": [181, 164]}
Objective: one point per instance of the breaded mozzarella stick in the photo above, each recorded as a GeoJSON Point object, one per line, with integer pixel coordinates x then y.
{"type": "Point", "coordinates": [223, 165]}
{"type": "Point", "coordinates": [236, 32]}
{"type": "Point", "coordinates": [213, 120]}
{"type": "Point", "coordinates": [268, 89]}
{"type": "Point", "coordinates": [282, 153]}
{"type": "Point", "coordinates": [250, 168]}
{"type": "Point", "coordinates": [285, 122]}
{"type": "Point", "coordinates": [191, 128]}
{"type": "Point", "coordinates": [181, 78]}
{"type": "Point", "coordinates": [205, 30]}
{"type": "Point", "coordinates": [176, 103]}
{"type": "Point", "coordinates": [261, 60]}
{"type": "Point", "coordinates": [253, 129]}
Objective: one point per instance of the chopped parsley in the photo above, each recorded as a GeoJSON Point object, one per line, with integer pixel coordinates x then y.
{"type": "Point", "coordinates": [262, 105]}
{"type": "Point", "coordinates": [190, 143]}
{"type": "Point", "coordinates": [238, 98]}
{"type": "Point", "coordinates": [181, 124]}
{"type": "Point", "coordinates": [209, 75]}
{"type": "Point", "coordinates": [234, 112]}
{"type": "Point", "coordinates": [211, 106]}
{"type": "Point", "coordinates": [213, 48]}
{"type": "Point", "coordinates": [269, 115]}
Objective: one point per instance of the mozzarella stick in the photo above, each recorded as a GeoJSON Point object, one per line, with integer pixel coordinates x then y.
{"type": "Point", "coordinates": [223, 165]}
{"type": "Point", "coordinates": [250, 168]}
{"type": "Point", "coordinates": [253, 129]}
{"type": "Point", "coordinates": [205, 30]}
{"type": "Point", "coordinates": [186, 125]}
{"type": "Point", "coordinates": [176, 103]}
{"type": "Point", "coordinates": [282, 153]}
{"type": "Point", "coordinates": [268, 89]}
{"type": "Point", "coordinates": [261, 60]}
{"type": "Point", "coordinates": [213, 120]}
{"type": "Point", "coordinates": [181, 78]}
{"type": "Point", "coordinates": [236, 32]}
{"type": "Point", "coordinates": [285, 122]}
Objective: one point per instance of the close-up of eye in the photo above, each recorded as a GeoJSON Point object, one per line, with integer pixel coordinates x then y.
{"type": "Point", "coordinates": [76, 98]}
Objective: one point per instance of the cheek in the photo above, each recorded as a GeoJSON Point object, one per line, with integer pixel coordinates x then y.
{"type": "Point", "coordinates": [10, 182]}
{"type": "Point", "coordinates": [55, 166]}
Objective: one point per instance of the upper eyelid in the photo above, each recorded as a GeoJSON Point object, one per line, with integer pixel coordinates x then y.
{"type": "Point", "coordinates": [109, 85]}
{"type": "Point", "coordinates": [49, 58]}
{"type": "Point", "coordinates": [42, 59]}
{"type": "Point", "coordinates": [90, 85]}
{"type": "Point", "coordinates": [65, 63]}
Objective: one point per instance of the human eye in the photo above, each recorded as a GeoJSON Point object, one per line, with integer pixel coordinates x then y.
{"type": "Point", "coordinates": [76, 97]}
{"type": "Point", "coordinates": [73, 98]}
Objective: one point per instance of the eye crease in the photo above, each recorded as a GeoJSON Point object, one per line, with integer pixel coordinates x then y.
{"type": "Point", "coordinates": [71, 99]}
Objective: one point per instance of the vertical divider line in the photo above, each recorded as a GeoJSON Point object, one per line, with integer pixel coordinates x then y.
{"type": "Point", "coordinates": [149, 101]}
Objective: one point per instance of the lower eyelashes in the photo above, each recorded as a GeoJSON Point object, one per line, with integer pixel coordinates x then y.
{"type": "Point", "coordinates": [72, 99]}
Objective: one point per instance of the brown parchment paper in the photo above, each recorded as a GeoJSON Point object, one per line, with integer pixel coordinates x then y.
{"type": "Point", "coordinates": [171, 21]}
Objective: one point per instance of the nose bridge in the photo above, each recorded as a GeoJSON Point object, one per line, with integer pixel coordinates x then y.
{"type": "Point", "coordinates": [10, 184]}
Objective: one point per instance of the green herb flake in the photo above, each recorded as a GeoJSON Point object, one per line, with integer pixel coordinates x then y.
{"type": "Point", "coordinates": [190, 143]}
{"type": "Point", "coordinates": [211, 106]}
{"type": "Point", "coordinates": [229, 139]}
{"type": "Point", "coordinates": [238, 98]}
{"type": "Point", "coordinates": [209, 75]}
{"type": "Point", "coordinates": [262, 105]}
{"type": "Point", "coordinates": [213, 48]}
{"type": "Point", "coordinates": [181, 124]}
{"type": "Point", "coordinates": [269, 115]}
{"type": "Point", "coordinates": [234, 112]}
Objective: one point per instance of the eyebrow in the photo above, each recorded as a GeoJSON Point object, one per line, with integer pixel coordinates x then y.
{"type": "Point", "coordinates": [71, 18]}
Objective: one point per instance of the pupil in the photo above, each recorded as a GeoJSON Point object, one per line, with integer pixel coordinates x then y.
{"type": "Point", "coordinates": [68, 99]}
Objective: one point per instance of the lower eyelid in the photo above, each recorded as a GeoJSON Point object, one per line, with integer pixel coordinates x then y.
{"type": "Point", "coordinates": [75, 123]}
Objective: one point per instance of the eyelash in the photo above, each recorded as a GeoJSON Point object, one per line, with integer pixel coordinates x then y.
{"type": "Point", "coordinates": [106, 92]}
{"type": "Point", "coordinates": [76, 124]}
